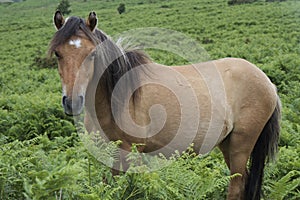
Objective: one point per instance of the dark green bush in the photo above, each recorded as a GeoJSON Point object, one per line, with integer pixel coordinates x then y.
{"type": "Point", "coordinates": [40, 60]}
{"type": "Point", "coordinates": [64, 6]}
{"type": "Point", "coordinates": [235, 2]}
{"type": "Point", "coordinates": [274, 0]}
{"type": "Point", "coordinates": [26, 116]}
{"type": "Point", "coordinates": [121, 8]}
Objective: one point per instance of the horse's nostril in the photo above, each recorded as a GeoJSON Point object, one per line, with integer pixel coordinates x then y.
{"type": "Point", "coordinates": [73, 105]}
{"type": "Point", "coordinates": [81, 99]}
{"type": "Point", "coordinates": [64, 100]}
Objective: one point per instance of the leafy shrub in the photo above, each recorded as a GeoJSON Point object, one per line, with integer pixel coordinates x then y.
{"type": "Point", "coordinates": [42, 61]}
{"type": "Point", "coordinates": [26, 116]}
{"type": "Point", "coordinates": [234, 2]}
{"type": "Point", "coordinates": [274, 0]}
{"type": "Point", "coordinates": [282, 179]}
{"type": "Point", "coordinates": [46, 169]}
{"type": "Point", "coordinates": [165, 6]}
{"type": "Point", "coordinates": [45, 62]}
{"type": "Point", "coordinates": [121, 8]}
{"type": "Point", "coordinates": [64, 6]}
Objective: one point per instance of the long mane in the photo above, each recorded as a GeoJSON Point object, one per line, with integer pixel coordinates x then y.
{"type": "Point", "coordinates": [111, 60]}
{"type": "Point", "coordinates": [113, 64]}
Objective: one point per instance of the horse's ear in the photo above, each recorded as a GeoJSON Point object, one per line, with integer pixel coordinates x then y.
{"type": "Point", "coordinates": [58, 20]}
{"type": "Point", "coordinates": [92, 21]}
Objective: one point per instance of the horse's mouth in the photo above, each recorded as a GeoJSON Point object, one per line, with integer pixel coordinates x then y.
{"type": "Point", "coordinates": [72, 114]}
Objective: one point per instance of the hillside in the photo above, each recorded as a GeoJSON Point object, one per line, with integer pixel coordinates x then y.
{"type": "Point", "coordinates": [42, 156]}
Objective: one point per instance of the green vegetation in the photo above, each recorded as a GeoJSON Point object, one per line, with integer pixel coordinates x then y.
{"type": "Point", "coordinates": [64, 6]}
{"type": "Point", "coordinates": [234, 2]}
{"type": "Point", "coordinates": [41, 155]}
{"type": "Point", "coordinates": [121, 8]}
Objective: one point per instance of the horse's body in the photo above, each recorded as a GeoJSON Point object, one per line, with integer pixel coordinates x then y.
{"type": "Point", "coordinates": [228, 103]}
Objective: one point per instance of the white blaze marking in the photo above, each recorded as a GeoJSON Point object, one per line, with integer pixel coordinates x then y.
{"type": "Point", "coordinates": [76, 43]}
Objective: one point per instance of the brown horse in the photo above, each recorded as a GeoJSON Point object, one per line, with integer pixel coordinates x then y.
{"type": "Point", "coordinates": [228, 103]}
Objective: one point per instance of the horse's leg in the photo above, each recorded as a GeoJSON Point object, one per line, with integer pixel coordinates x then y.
{"type": "Point", "coordinates": [121, 165]}
{"type": "Point", "coordinates": [236, 164]}
{"type": "Point", "coordinates": [241, 143]}
{"type": "Point", "coordinates": [224, 147]}
{"type": "Point", "coordinates": [238, 158]}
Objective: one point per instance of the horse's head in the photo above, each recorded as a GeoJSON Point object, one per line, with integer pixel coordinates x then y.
{"type": "Point", "coordinates": [74, 46]}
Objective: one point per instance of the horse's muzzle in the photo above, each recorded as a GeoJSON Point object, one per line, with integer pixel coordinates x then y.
{"type": "Point", "coordinates": [73, 105]}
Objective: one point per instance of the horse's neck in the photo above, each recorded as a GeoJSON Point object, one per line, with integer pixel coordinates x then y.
{"type": "Point", "coordinates": [97, 103]}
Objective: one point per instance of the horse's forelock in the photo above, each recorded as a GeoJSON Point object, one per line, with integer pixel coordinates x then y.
{"type": "Point", "coordinates": [72, 27]}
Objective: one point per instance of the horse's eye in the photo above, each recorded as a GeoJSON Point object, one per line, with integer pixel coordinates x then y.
{"type": "Point", "coordinates": [93, 54]}
{"type": "Point", "coordinates": [57, 54]}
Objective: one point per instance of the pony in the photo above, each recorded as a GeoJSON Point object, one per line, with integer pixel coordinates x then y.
{"type": "Point", "coordinates": [227, 103]}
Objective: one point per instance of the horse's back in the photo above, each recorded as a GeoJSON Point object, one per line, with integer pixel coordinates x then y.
{"type": "Point", "coordinates": [233, 83]}
{"type": "Point", "coordinates": [222, 95]}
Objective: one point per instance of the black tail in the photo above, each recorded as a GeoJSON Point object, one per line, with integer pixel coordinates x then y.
{"type": "Point", "coordinates": [264, 151]}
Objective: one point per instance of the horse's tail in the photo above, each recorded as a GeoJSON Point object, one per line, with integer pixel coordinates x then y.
{"type": "Point", "coordinates": [264, 150]}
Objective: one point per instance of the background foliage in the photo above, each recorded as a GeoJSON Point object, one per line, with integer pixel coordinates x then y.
{"type": "Point", "coordinates": [41, 155]}
{"type": "Point", "coordinates": [64, 7]}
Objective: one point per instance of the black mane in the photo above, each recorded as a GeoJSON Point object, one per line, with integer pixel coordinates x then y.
{"type": "Point", "coordinates": [112, 63]}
